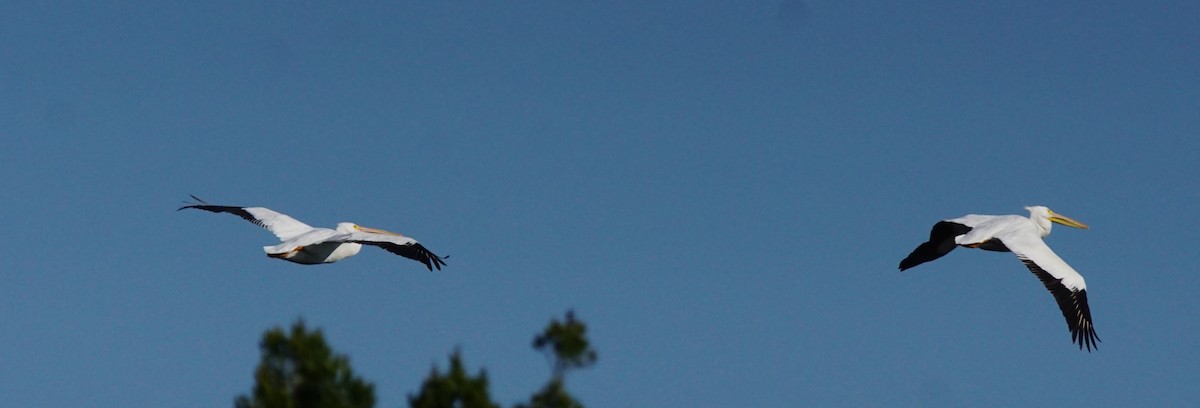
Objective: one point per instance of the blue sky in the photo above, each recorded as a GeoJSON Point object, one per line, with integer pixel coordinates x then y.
{"type": "Point", "coordinates": [722, 190]}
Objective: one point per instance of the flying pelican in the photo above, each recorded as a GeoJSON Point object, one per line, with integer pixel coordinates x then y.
{"type": "Point", "coordinates": [306, 245]}
{"type": "Point", "coordinates": [1023, 237]}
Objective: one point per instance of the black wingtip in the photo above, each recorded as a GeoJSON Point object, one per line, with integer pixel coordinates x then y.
{"type": "Point", "coordinates": [193, 205]}
{"type": "Point", "coordinates": [1087, 338]}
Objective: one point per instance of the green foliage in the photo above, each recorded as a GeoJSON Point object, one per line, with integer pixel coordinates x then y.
{"type": "Point", "coordinates": [566, 344]}
{"type": "Point", "coordinates": [301, 371]}
{"type": "Point", "coordinates": [455, 389]}
{"type": "Point", "coordinates": [553, 395]}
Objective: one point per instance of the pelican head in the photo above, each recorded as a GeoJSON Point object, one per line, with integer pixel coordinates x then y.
{"type": "Point", "coordinates": [1038, 212]}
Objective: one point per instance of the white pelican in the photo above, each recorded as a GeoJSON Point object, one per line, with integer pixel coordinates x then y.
{"type": "Point", "coordinates": [1023, 237]}
{"type": "Point", "coordinates": [306, 245]}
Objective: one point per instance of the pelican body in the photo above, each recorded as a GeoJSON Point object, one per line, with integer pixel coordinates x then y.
{"type": "Point", "coordinates": [1021, 236]}
{"type": "Point", "coordinates": [306, 245]}
{"type": "Point", "coordinates": [324, 252]}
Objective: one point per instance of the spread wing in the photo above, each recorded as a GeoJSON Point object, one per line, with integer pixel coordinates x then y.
{"type": "Point", "coordinates": [1061, 280]}
{"type": "Point", "coordinates": [941, 242]}
{"type": "Point", "coordinates": [942, 239]}
{"type": "Point", "coordinates": [399, 245]}
{"type": "Point", "coordinates": [283, 226]}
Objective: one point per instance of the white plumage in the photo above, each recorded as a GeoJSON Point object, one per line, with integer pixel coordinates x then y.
{"type": "Point", "coordinates": [304, 244]}
{"type": "Point", "coordinates": [1023, 237]}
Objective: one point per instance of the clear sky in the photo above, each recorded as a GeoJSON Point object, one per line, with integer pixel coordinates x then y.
{"type": "Point", "coordinates": [722, 190]}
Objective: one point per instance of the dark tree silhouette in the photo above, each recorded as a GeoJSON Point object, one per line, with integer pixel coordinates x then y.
{"type": "Point", "coordinates": [301, 371]}
{"type": "Point", "coordinates": [566, 345]}
{"type": "Point", "coordinates": [455, 389]}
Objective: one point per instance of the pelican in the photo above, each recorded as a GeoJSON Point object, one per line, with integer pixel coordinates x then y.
{"type": "Point", "coordinates": [1023, 237]}
{"type": "Point", "coordinates": [306, 245]}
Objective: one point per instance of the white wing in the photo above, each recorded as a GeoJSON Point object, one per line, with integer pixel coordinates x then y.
{"type": "Point", "coordinates": [313, 236]}
{"type": "Point", "coordinates": [973, 220]}
{"type": "Point", "coordinates": [281, 225]}
{"type": "Point", "coordinates": [992, 226]}
{"type": "Point", "coordinates": [1060, 279]}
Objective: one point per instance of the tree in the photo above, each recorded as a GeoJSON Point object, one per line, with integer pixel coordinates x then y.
{"type": "Point", "coordinates": [301, 371]}
{"type": "Point", "coordinates": [455, 389]}
{"type": "Point", "coordinates": [566, 345]}
{"type": "Point", "coordinates": [553, 395]}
